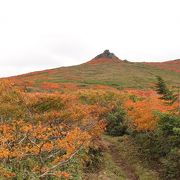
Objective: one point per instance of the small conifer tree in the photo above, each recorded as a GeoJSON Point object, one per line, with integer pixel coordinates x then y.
{"type": "Point", "coordinates": [163, 90]}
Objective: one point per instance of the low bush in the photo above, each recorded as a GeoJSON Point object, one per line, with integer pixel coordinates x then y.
{"type": "Point", "coordinates": [163, 145]}
{"type": "Point", "coordinates": [116, 122]}
{"type": "Point", "coordinates": [94, 156]}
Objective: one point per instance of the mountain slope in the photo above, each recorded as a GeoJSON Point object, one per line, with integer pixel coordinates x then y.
{"type": "Point", "coordinates": [168, 65]}
{"type": "Point", "coordinates": [104, 69]}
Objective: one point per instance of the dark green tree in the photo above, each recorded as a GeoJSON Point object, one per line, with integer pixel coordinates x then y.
{"type": "Point", "coordinates": [163, 90]}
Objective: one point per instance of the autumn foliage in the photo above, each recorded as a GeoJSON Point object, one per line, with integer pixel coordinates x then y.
{"type": "Point", "coordinates": [141, 108]}
{"type": "Point", "coordinates": [40, 132]}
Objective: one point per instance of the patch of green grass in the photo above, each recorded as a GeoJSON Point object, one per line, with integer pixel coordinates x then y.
{"type": "Point", "coordinates": [111, 170]}
{"type": "Point", "coordinates": [130, 153]}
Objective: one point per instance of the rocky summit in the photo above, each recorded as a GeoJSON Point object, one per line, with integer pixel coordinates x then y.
{"type": "Point", "coordinates": [106, 54]}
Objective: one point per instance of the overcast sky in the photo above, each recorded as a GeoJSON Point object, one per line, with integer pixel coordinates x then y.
{"type": "Point", "coordinates": [41, 34]}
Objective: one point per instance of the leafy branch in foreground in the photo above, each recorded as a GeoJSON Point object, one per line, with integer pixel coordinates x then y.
{"type": "Point", "coordinates": [41, 132]}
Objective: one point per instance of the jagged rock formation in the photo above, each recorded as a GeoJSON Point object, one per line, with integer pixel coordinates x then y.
{"type": "Point", "coordinates": [105, 57]}
{"type": "Point", "coordinates": [106, 54]}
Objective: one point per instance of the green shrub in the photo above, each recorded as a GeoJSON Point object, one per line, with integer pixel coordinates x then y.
{"type": "Point", "coordinates": [95, 159]}
{"type": "Point", "coordinates": [47, 104]}
{"type": "Point", "coordinates": [163, 145]}
{"type": "Point", "coordinates": [168, 124]}
{"type": "Point", "coordinates": [116, 122]}
{"type": "Point", "coordinates": [171, 164]}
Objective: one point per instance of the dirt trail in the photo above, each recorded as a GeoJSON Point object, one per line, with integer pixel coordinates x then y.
{"type": "Point", "coordinates": [121, 163]}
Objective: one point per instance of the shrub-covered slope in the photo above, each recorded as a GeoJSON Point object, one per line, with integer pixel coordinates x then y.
{"type": "Point", "coordinates": [106, 69]}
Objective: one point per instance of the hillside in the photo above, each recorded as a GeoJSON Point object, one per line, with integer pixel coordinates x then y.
{"type": "Point", "coordinates": [78, 122]}
{"type": "Point", "coordinates": [106, 69]}
{"type": "Point", "coordinates": [168, 65]}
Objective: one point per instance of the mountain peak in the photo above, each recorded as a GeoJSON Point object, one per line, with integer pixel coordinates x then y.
{"type": "Point", "coordinates": [106, 54]}
{"type": "Point", "coordinates": [105, 57]}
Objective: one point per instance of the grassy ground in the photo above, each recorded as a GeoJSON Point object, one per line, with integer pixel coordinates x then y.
{"type": "Point", "coordinates": [122, 161]}
{"type": "Point", "coordinates": [120, 75]}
